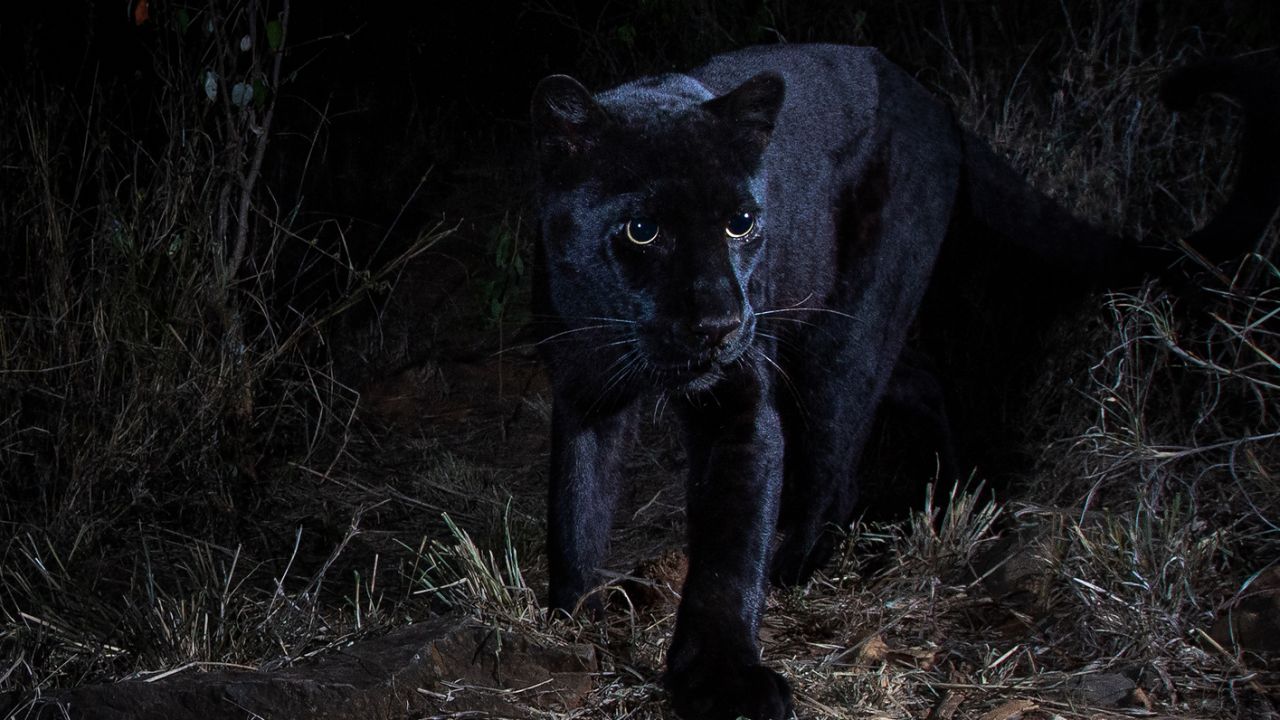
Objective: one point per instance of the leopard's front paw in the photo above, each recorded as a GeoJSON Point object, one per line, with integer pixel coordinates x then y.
{"type": "Point", "coordinates": [728, 693]}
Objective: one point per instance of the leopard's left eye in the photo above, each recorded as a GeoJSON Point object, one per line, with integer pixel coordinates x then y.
{"type": "Point", "coordinates": [739, 225]}
{"type": "Point", "coordinates": [642, 231]}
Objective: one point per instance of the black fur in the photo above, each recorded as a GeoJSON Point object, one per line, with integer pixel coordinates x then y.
{"type": "Point", "coordinates": [776, 348]}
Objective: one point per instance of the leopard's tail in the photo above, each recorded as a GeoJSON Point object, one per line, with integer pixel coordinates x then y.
{"type": "Point", "coordinates": [998, 199]}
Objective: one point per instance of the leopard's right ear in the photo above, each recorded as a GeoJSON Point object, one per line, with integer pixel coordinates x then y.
{"type": "Point", "coordinates": [752, 108]}
{"type": "Point", "coordinates": [567, 120]}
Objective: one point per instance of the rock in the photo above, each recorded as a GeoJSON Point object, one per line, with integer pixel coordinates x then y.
{"type": "Point", "coordinates": [1253, 705]}
{"type": "Point", "coordinates": [1012, 569]}
{"type": "Point", "coordinates": [441, 666]}
{"type": "Point", "coordinates": [1101, 689]}
{"type": "Point", "coordinates": [1252, 621]}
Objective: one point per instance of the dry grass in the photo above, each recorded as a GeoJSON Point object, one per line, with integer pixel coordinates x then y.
{"type": "Point", "coordinates": [162, 392]}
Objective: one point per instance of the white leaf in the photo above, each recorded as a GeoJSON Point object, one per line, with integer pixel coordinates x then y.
{"type": "Point", "coordinates": [245, 44]}
{"type": "Point", "coordinates": [241, 94]}
{"type": "Point", "coordinates": [210, 84]}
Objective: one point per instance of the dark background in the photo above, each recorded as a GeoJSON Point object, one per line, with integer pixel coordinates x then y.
{"type": "Point", "coordinates": [394, 119]}
{"type": "Point", "coordinates": [389, 93]}
{"type": "Point", "coordinates": [438, 85]}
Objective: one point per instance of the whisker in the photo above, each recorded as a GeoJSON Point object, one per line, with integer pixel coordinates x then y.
{"type": "Point", "coordinates": [801, 303]}
{"type": "Point", "coordinates": [591, 318]}
{"type": "Point", "coordinates": [798, 321]}
{"type": "Point", "coordinates": [615, 343]}
{"type": "Point", "coordinates": [795, 344]}
{"type": "Point", "coordinates": [791, 387]}
{"type": "Point", "coordinates": [768, 336]}
{"type": "Point", "coordinates": [657, 374]}
{"type": "Point", "coordinates": [550, 338]}
{"type": "Point", "coordinates": [741, 363]}
{"type": "Point", "coordinates": [785, 377]}
{"type": "Point", "coordinates": [806, 309]}
{"type": "Point", "coordinates": [788, 346]}
{"type": "Point", "coordinates": [632, 357]}
{"type": "Point", "coordinates": [570, 331]}
{"type": "Point", "coordinates": [659, 406]}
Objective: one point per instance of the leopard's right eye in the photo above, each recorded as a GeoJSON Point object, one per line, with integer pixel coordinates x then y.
{"type": "Point", "coordinates": [642, 231]}
{"type": "Point", "coordinates": [739, 225]}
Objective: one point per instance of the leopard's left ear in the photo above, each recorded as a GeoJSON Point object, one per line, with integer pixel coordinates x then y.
{"type": "Point", "coordinates": [752, 106]}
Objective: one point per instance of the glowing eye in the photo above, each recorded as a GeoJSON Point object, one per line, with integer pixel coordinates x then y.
{"type": "Point", "coordinates": [642, 232]}
{"type": "Point", "coordinates": [739, 225]}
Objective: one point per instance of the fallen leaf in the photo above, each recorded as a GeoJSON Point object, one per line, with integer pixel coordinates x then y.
{"type": "Point", "coordinates": [921, 657]}
{"type": "Point", "coordinates": [1010, 710]}
{"type": "Point", "coordinates": [947, 706]}
{"type": "Point", "coordinates": [1140, 697]}
{"type": "Point", "coordinates": [872, 652]}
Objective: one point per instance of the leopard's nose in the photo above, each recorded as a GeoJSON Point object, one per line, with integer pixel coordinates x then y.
{"type": "Point", "coordinates": [717, 330]}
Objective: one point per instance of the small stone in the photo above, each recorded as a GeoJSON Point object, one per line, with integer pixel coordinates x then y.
{"type": "Point", "coordinates": [1101, 689]}
{"type": "Point", "coordinates": [1252, 622]}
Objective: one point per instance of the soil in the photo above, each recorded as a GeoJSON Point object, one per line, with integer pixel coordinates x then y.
{"type": "Point", "coordinates": [446, 665]}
